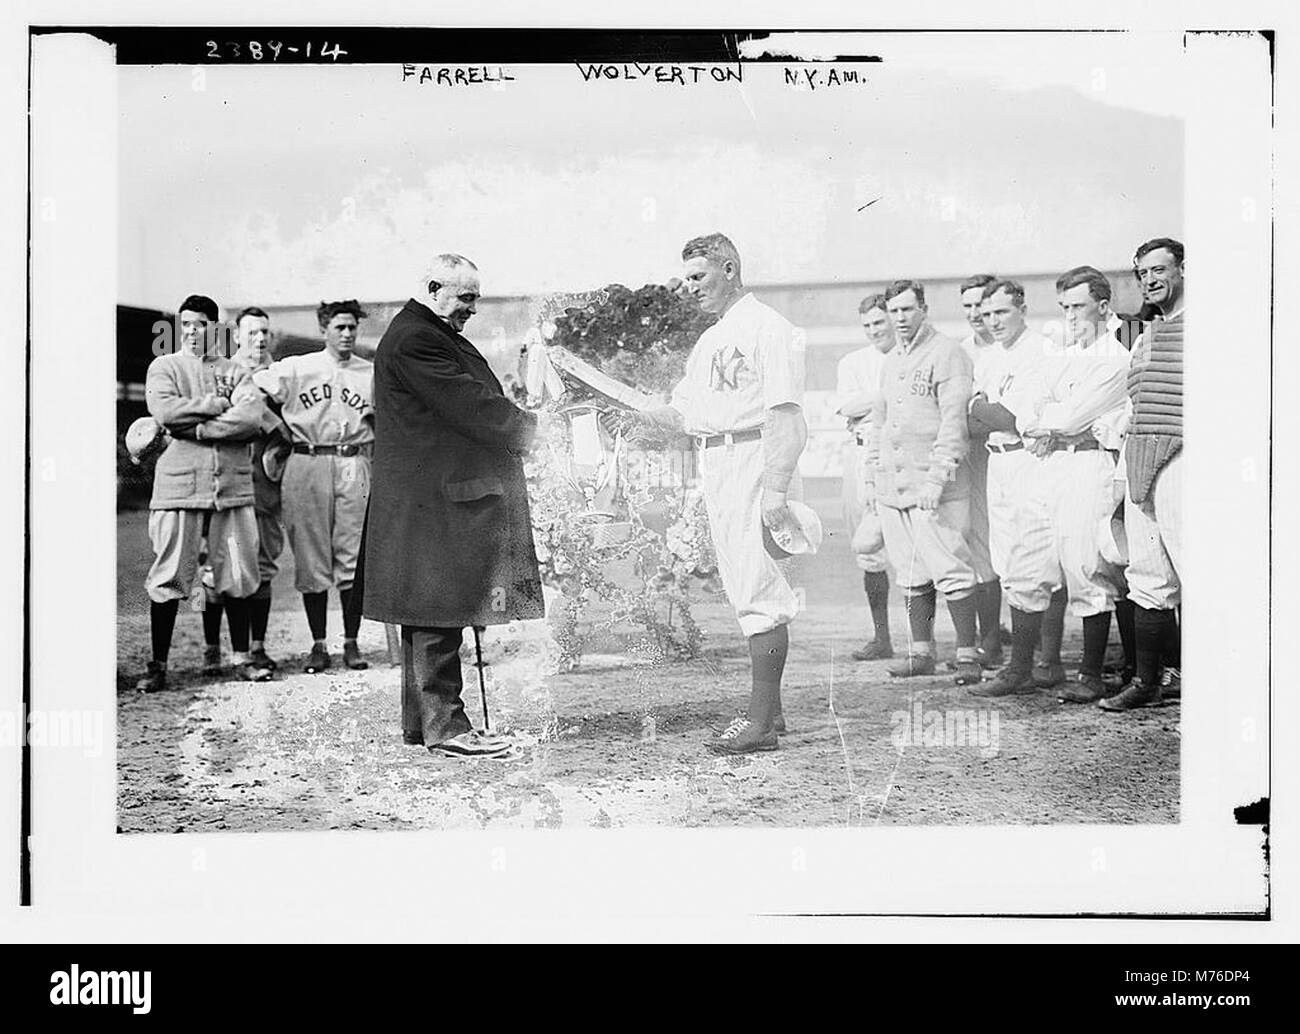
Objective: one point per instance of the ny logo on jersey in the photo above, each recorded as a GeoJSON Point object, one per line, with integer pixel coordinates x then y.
{"type": "Point", "coordinates": [724, 374]}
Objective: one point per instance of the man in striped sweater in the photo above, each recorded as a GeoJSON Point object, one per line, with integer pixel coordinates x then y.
{"type": "Point", "coordinates": [1153, 465]}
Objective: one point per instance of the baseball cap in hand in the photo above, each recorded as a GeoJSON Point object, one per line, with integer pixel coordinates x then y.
{"type": "Point", "coordinates": [800, 534]}
{"type": "Point", "coordinates": [141, 436]}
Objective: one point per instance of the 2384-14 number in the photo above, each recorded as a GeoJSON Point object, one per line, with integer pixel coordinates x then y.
{"type": "Point", "coordinates": [256, 50]}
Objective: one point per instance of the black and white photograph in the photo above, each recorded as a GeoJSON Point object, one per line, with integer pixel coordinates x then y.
{"type": "Point", "coordinates": [604, 436]}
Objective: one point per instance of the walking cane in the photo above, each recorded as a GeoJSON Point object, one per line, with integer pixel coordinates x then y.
{"type": "Point", "coordinates": [480, 664]}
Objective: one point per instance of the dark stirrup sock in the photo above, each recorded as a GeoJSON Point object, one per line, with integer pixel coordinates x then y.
{"type": "Point", "coordinates": [351, 614]}
{"type": "Point", "coordinates": [1125, 611]}
{"type": "Point", "coordinates": [963, 620]}
{"type": "Point", "coordinates": [237, 616]}
{"type": "Point", "coordinates": [1151, 628]}
{"type": "Point", "coordinates": [1026, 627]}
{"type": "Point", "coordinates": [212, 623]}
{"type": "Point", "coordinates": [876, 584]}
{"type": "Point", "coordinates": [162, 622]}
{"type": "Point", "coordinates": [314, 603]}
{"type": "Point", "coordinates": [1053, 628]}
{"type": "Point", "coordinates": [920, 614]}
{"type": "Point", "coordinates": [767, 654]}
{"type": "Point", "coordinates": [259, 613]}
{"type": "Point", "coordinates": [1096, 634]}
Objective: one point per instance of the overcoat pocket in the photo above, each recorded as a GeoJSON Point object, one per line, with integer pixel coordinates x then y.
{"type": "Point", "coordinates": [474, 488]}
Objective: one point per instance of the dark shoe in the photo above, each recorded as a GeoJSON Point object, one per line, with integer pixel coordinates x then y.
{"type": "Point", "coordinates": [1131, 697]}
{"type": "Point", "coordinates": [1087, 689]}
{"type": "Point", "coordinates": [154, 679]}
{"type": "Point", "coordinates": [969, 673]}
{"type": "Point", "coordinates": [1171, 684]}
{"type": "Point", "coordinates": [260, 658]}
{"type": "Point", "coordinates": [317, 661]}
{"type": "Point", "coordinates": [211, 660]}
{"type": "Point", "coordinates": [352, 657]}
{"type": "Point", "coordinates": [913, 664]}
{"type": "Point", "coordinates": [874, 651]}
{"type": "Point", "coordinates": [1120, 678]}
{"type": "Point", "coordinates": [1047, 676]}
{"type": "Point", "coordinates": [746, 739]}
{"type": "Point", "coordinates": [413, 739]}
{"type": "Point", "coordinates": [251, 672]}
{"type": "Point", "coordinates": [472, 744]}
{"type": "Point", "coordinates": [990, 657]}
{"type": "Point", "coordinates": [1007, 682]}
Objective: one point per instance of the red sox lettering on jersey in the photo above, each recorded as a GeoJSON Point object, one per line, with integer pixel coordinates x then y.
{"type": "Point", "coordinates": [325, 401]}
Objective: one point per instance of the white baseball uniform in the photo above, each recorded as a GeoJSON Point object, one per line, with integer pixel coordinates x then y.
{"type": "Point", "coordinates": [1020, 528]}
{"type": "Point", "coordinates": [748, 362]}
{"type": "Point", "coordinates": [977, 463]}
{"type": "Point", "coordinates": [1083, 407]}
{"type": "Point", "coordinates": [857, 389]}
{"type": "Point", "coordinates": [327, 405]}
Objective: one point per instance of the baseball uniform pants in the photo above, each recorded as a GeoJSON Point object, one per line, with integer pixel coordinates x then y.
{"type": "Point", "coordinates": [1154, 533]}
{"type": "Point", "coordinates": [732, 479]}
{"type": "Point", "coordinates": [977, 531]}
{"type": "Point", "coordinates": [324, 500]}
{"type": "Point", "coordinates": [928, 547]}
{"type": "Point", "coordinates": [853, 503]}
{"type": "Point", "coordinates": [1020, 531]}
{"type": "Point", "coordinates": [177, 538]}
{"type": "Point", "coordinates": [1079, 496]}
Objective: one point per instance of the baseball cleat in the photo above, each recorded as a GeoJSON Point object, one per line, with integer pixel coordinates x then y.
{"type": "Point", "coordinates": [990, 658]}
{"type": "Point", "coordinates": [211, 660]}
{"type": "Point", "coordinates": [876, 650]}
{"type": "Point", "coordinates": [154, 678]}
{"type": "Point", "coordinates": [913, 664]}
{"type": "Point", "coordinates": [260, 658]}
{"type": "Point", "coordinates": [1086, 689]}
{"type": "Point", "coordinates": [252, 672]}
{"type": "Point", "coordinates": [1008, 682]}
{"type": "Point", "coordinates": [1119, 678]}
{"type": "Point", "coordinates": [1131, 697]}
{"type": "Point", "coordinates": [471, 744]}
{"type": "Point", "coordinates": [969, 673]}
{"type": "Point", "coordinates": [352, 657]}
{"type": "Point", "coordinates": [1171, 684]}
{"type": "Point", "coordinates": [1048, 675]}
{"type": "Point", "coordinates": [742, 738]}
{"type": "Point", "coordinates": [318, 660]}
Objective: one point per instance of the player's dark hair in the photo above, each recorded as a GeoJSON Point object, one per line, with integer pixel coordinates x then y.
{"type": "Point", "coordinates": [872, 301]}
{"type": "Point", "coordinates": [252, 310]}
{"type": "Point", "coordinates": [1098, 285]}
{"type": "Point", "coordinates": [1175, 248]}
{"type": "Point", "coordinates": [903, 286]}
{"type": "Point", "coordinates": [978, 280]}
{"type": "Point", "coordinates": [1014, 290]}
{"type": "Point", "coordinates": [200, 303]}
{"type": "Point", "coordinates": [326, 311]}
{"type": "Point", "coordinates": [715, 247]}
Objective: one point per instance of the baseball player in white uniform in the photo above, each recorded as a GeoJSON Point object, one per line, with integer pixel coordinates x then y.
{"type": "Point", "coordinates": [857, 387]}
{"type": "Point", "coordinates": [988, 590]}
{"type": "Point", "coordinates": [1011, 381]}
{"type": "Point", "coordinates": [253, 333]}
{"type": "Point", "coordinates": [325, 399]}
{"type": "Point", "coordinates": [203, 489]}
{"type": "Point", "coordinates": [915, 476]}
{"type": "Point", "coordinates": [1075, 430]}
{"type": "Point", "coordinates": [1153, 457]}
{"type": "Point", "coordinates": [741, 398]}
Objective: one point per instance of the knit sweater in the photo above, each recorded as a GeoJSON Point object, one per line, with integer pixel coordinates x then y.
{"type": "Point", "coordinates": [1155, 384]}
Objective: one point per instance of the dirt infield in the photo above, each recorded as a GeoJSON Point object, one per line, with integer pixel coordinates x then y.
{"type": "Point", "coordinates": [619, 742]}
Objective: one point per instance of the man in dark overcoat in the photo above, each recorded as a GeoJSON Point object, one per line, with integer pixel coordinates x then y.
{"type": "Point", "coordinates": [449, 541]}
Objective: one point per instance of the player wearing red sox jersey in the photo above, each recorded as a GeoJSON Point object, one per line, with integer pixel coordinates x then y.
{"type": "Point", "coordinates": [202, 486]}
{"type": "Point", "coordinates": [988, 590]}
{"type": "Point", "coordinates": [1011, 381]}
{"type": "Point", "coordinates": [857, 388]}
{"type": "Point", "coordinates": [741, 397]}
{"type": "Point", "coordinates": [325, 399]}
{"type": "Point", "coordinates": [1074, 429]}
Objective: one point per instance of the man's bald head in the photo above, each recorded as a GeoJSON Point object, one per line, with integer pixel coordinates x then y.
{"type": "Point", "coordinates": [451, 289]}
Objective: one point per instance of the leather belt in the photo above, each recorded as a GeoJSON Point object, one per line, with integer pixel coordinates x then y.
{"type": "Point", "coordinates": [1087, 445]}
{"type": "Point", "coordinates": [1009, 447]}
{"type": "Point", "coordinates": [707, 441]}
{"type": "Point", "coordinates": [362, 449]}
